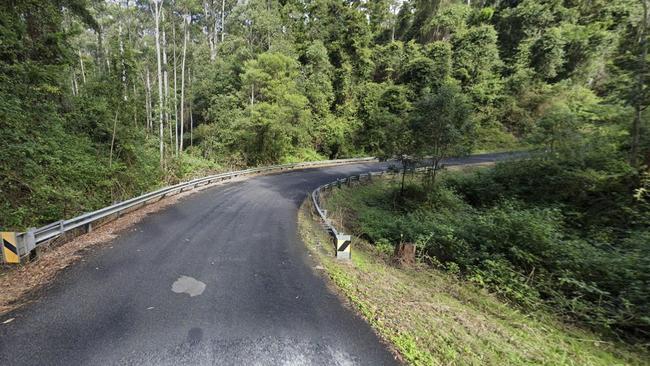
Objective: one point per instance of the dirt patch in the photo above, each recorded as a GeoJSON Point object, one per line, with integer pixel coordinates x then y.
{"type": "Point", "coordinates": [19, 282]}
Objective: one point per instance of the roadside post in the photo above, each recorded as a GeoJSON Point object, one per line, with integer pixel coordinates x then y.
{"type": "Point", "coordinates": [343, 246]}
{"type": "Point", "coordinates": [10, 248]}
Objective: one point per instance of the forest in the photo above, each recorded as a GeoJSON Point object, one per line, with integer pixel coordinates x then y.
{"type": "Point", "coordinates": [104, 100]}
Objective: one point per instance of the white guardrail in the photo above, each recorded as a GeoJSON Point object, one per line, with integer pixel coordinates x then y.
{"type": "Point", "coordinates": [342, 242]}
{"type": "Point", "coordinates": [22, 244]}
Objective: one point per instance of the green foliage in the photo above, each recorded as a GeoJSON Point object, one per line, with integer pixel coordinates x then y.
{"type": "Point", "coordinates": [547, 54]}
{"type": "Point", "coordinates": [268, 82]}
{"type": "Point", "coordinates": [419, 73]}
{"type": "Point", "coordinates": [385, 109]}
{"type": "Point", "coordinates": [441, 53]}
{"type": "Point", "coordinates": [476, 60]}
{"type": "Point", "coordinates": [442, 125]}
{"type": "Point", "coordinates": [528, 231]}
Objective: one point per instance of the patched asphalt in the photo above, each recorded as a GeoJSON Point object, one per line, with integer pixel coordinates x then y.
{"type": "Point", "coordinates": [220, 278]}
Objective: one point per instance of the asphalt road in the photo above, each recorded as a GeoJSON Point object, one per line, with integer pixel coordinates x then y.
{"type": "Point", "coordinates": [219, 278]}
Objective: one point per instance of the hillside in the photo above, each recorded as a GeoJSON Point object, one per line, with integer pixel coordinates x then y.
{"type": "Point", "coordinates": [450, 309]}
{"type": "Point", "coordinates": [103, 100]}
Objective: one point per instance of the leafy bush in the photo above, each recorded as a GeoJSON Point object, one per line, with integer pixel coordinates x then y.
{"type": "Point", "coordinates": [531, 231]}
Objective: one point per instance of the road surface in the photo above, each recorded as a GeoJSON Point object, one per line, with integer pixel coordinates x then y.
{"type": "Point", "coordinates": [220, 278]}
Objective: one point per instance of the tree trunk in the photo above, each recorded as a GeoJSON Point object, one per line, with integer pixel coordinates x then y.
{"type": "Point", "coordinates": [83, 70]}
{"type": "Point", "coordinates": [100, 49]}
{"type": "Point", "coordinates": [147, 114]}
{"type": "Point", "coordinates": [176, 142]}
{"type": "Point", "coordinates": [74, 84]}
{"type": "Point", "coordinates": [404, 254]}
{"type": "Point", "coordinates": [210, 27]}
{"type": "Point", "coordinates": [166, 81]}
{"type": "Point", "coordinates": [189, 77]}
{"type": "Point", "coordinates": [223, 19]}
{"type": "Point", "coordinates": [186, 22]}
{"type": "Point", "coordinates": [110, 156]}
{"type": "Point", "coordinates": [135, 106]}
{"type": "Point", "coordinates": [435, 172]}
{"type": "Point", "coordinates": [149, 102]}
{"type": "Point", "coordinates": [401, 190]}
{"type": "Point", "coordinates": [252, 96]}
{"type": "Point", "coordinates": [160, 77]}
{"type": "Point", "coordinates": [640, 92]}
{"type": "Point", "coordinates": [104, 51]}
{"type": "Point", "coordinates": [119, 36]}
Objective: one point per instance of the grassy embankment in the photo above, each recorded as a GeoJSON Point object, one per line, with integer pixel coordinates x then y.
{"type": "Point", "coordinates": [432, 317]}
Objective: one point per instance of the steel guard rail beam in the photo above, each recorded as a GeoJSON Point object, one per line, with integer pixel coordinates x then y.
{"type": "Point", "coordinates": [342, 241]}
{"type": "Point", "coordinates": [36, 237]}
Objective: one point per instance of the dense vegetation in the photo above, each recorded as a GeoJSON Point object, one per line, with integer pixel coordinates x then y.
{"type": "Point", "coordinates": [432, 317]}
{"type": "Point", "coordinates": [565, 235]}
{"type": "Point", "coordinates": [101, 100]}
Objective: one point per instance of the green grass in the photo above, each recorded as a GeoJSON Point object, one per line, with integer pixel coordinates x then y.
{"type": "Point", "coordinates": [433, 318]}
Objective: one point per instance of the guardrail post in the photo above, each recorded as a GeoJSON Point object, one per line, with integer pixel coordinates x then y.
{"type": "Point", "coordinates": [29, 240]}
{"type": "Point", "coordinates": [29, 244]}
{"type": "Point", "coordinates": [343, 243]}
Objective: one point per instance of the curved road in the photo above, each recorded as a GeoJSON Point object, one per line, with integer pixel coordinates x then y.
{"type": "Point", "coordinates": [220, 278]}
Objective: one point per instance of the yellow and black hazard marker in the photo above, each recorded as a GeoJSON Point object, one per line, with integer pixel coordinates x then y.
{"type": "Point", "coordinates": [343, 246]}
{"type": "Point", "coordinates": [10, 248]}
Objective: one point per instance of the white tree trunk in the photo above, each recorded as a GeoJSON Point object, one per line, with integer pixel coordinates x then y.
{"type": "Point", "coordinates": [166, 81]}
{"type": "Point", "coordinates": [156, 10]}
{"type": "Point", "coordinates": [189, 76]}
{"type": "Point", "coordinates": [148, 101]}
{"type": "Point", "coordinates": [223, 19]}
{"type": "Point", "coordinates": [104, 50]}
{"type": "Point", "coordinates": [175, 87]}
{"type": "Point", "coordinates": [135, 110]}
{"type": "Point", "coordinates": [210, 27]}
{"type": "Point", "coordinates": [640, 87]}
{"type": "Point", "coordinates": [186, 22]}
{"type": "Point", "coordinates": [83, 70]}
{"type": "Point", "coordinates": [74, 84]}
{"type": "Point", "coordinates": [119, 36]}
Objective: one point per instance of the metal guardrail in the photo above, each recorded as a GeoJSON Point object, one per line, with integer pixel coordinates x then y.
{"type": "Point", "coordinates": [34, 238]}
{"type": "Point", "coordinates": [343, 242]}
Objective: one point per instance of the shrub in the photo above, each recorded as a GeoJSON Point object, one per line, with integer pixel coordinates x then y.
{"type": "Point", "coordinates": [531, 231]}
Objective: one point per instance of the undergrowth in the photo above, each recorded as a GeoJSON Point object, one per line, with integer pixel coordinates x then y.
{"type": "Point", "coordinates": [430, 317]}
{"type": "Point", "coordinates": [532, 254]}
